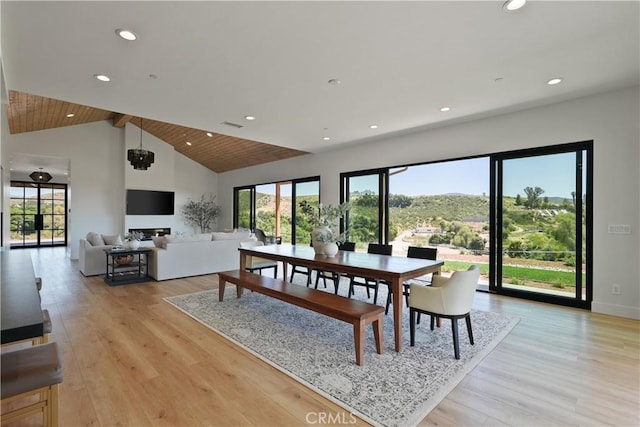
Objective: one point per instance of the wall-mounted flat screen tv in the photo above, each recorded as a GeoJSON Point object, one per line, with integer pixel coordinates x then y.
{"type": "Point", "coordinates": [148, 202]}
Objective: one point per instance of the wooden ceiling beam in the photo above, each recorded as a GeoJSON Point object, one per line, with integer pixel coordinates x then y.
{"type": "Point", "coordinates": [119, 120]}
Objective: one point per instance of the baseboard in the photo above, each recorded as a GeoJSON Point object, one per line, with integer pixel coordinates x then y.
{"type": "Point", "coordinates": [616, 310]}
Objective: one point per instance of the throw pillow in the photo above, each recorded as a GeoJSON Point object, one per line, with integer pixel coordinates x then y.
{"type": "Point", "coordinates": [95, 239]}
{"type": "Point", "coordinates": [113, 240]}
{"type": "Point", "coordinates": [158, 241]}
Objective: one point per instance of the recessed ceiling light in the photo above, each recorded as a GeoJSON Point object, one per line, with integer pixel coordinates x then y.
{"type": "Point", "coordinates": [334, 82]}
{"type": "Point", "coordinates": [102, 77]}
{"type": "Point", "coordinates": [188, 143]}
{"type": "Point", "coordinates": [249, 117]}
{"type": "Point", "coordinates": [373, 126]}
{"type": "Point", "coordinates": [445, 109]}
{"type": "Point", "coordinates": [126, 34]}
{"type": "Point", "coordinates": [554, 81]}
{"type": "Point", "coordinates": [511, 5]}
{"type": "Point", "coordinates": [326, 138]}
{"type": "Point", "coordinates": [209, 134]}
{"type": "Point", "coordinates": [70, 115]}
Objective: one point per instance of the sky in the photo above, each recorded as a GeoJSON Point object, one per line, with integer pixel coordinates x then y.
{"type": "Point", "coordinates": [553, 173]}
{"type": "Point", "coordinates": [469, 176]}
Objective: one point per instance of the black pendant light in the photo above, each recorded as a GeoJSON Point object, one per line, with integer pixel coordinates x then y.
{"type": "Point", "coordinates": [140, 158]}
{"type": "Point", "coordinates": [40, 176]}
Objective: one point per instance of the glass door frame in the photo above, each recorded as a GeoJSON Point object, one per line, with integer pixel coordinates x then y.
{"type": "Point", "coordinates": [252, 189]}
{"type": "Point", "coordinates": [39, 216]}
{"type": "Point", "coordinates": [294, 204]}
{"type": "Point", "coordinates": [252, 205]}
{"type": "Point", "coordinates": [584, 148]}
{"type": "Point", "coordinates": [383, 199]}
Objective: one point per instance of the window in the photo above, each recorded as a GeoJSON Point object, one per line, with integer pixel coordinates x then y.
{"type": "Point", "coordinates": [273, 208]}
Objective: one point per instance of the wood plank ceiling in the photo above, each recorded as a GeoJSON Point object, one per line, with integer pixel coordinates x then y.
{"type": "Point", "coordinates": [219, 153]}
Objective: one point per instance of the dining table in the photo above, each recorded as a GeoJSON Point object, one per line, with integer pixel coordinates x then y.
{"type": "Point", "coordinates": [390, 268]}
{"type": "Point", "coordinates": [21, 310]}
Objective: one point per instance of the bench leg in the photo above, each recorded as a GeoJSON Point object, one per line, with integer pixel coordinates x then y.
{"type": "Point", "coordinates": [221, 285]}
{"type": "Point", "coordinates": [377, 333]}
{"type": "Point", "coordinates": [358, 338]}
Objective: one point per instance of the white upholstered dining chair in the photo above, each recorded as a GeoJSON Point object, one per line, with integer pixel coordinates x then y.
{"type": "Point", "coordinates": [448, 297]}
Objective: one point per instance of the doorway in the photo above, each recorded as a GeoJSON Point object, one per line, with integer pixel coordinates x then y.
{"type": "Point", "coordinates": [541, 221]}
{"type": "Point", "coordinates": [38, 214]}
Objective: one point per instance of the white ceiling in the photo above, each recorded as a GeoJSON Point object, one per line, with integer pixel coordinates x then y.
{"type": "Point", "coordinates": [398, 62]}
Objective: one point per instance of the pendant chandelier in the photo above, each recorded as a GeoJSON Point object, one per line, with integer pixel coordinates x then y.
{"type": "Point", "coordinates": [140, 158]}
{"type": "Point", "coordinates": [40, 176]}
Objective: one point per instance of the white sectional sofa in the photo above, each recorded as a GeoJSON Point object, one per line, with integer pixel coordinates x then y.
{"type": "Point", "coordinates": [183, 256]}
{"type": "Point", "coordinates": [172, 257]}
{"type": "Point", "coordinates": [92, 258]}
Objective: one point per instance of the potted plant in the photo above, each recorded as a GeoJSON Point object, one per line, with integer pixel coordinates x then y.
{"type": "Point", "coordinates": [325, 219]}
{"type": "Point", "coordinates": [201, 214]}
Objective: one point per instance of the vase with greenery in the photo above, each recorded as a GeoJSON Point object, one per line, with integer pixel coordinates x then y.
{"type": "Point", "coordinates": [132, 240]}
{"type": "Point", "coordinates": [201, 214]}
{"type": "Point", "coordinates": [325, 219]}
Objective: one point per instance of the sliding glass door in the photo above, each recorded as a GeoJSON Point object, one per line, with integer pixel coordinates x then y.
{"type": "Point", "coordinates": [542, 224]}
{"type": "Point", "coordinates": [367, 192]}
{"type": "Point", "coordinates": [38, 214]}
{"type": "Point", "coordinates": [304, 191]}
{"type": "Point", "coordinates": [273, 208]}
{"type": "Point", "coordinates": [244, 208]}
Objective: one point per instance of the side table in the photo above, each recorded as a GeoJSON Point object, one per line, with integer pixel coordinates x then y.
{"type": "Point", "coordinates": [126, 266]}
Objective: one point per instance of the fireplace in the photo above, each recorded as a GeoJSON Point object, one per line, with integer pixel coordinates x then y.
{"type": "Point", "coordinates": [148, 233]}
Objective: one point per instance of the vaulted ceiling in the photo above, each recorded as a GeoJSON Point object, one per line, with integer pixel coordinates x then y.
{"type": "Point", "coordinates": [220, 153]}
{"type": "Point", "coordinates": [315, 75]}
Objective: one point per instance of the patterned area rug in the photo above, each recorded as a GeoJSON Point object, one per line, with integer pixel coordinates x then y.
{"type": "Point", "coordinates": [392, 389]}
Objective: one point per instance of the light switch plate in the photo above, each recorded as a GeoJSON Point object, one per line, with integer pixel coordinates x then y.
{"type": "Point", "coordinates": [619, 229]}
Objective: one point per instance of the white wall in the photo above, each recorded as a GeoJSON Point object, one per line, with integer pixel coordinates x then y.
{"type": "Point", "coordinates": [610, 119]}
{"type": "Point", "coordinates": [95, 151]}
{"type": "Point", "coordinates": [100, 174]}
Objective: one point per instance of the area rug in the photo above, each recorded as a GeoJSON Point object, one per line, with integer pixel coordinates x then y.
{"type": "Point", "coordinates": [391, 389]}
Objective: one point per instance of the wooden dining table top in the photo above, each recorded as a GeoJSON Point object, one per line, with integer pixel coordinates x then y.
{"type": "Point", "coordinates": [376, 266]}
{"type": "Point", "coordinates": [393, 269]}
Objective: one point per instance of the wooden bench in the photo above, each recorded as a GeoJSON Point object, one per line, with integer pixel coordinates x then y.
{"type": "Point", "coordinates": [358, 313]}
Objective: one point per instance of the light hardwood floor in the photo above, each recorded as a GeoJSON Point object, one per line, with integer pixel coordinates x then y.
{"type": "Point", "coordinates": [131, 359]}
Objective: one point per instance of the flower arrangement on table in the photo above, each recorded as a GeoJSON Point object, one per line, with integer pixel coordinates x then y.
{"type": "Point", "coordinates": [325, 219]}
{"type": "Point", "coordinates": [132, 239]}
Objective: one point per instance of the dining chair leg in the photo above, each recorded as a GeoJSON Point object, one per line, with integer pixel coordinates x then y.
{"type": "Point", "coordinates": [389, 300]}
{"type": "Point", "coordinates": [468, 320]}
{"type": "Point", "coordinates": [406, 294]}
{"type": "Point", "coordinates": [336, 282]}
{"type": "Point", "coordinates": [375, 293]}
{"type": "Point", "coordinates": [456, 342]}
{"type": "Point", "coordinates": [412, 326]}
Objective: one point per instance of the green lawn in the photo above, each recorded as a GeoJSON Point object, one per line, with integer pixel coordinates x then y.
{"type": "Point", "coordinates": [560, 278]}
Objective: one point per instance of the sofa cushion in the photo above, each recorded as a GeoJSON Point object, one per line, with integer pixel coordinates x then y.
{"type": "Point", "coordinates": [112, 239]}
{"type": "Point", "coordinates": [158, 241]}
{"type": "Point", "coordinates": [203, 237]}
{"type": "Point", "coordinates": [238, 235]}
{"type": "Point", "coordinates": [95, 239]}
